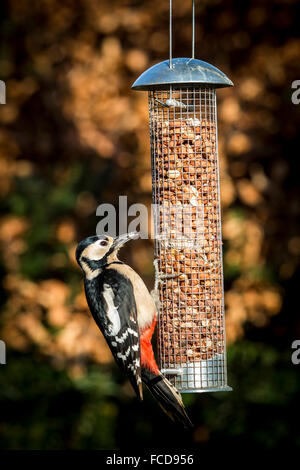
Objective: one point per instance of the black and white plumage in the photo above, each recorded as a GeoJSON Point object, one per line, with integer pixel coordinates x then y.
{"type": "Point", "coordinates": [125, 312]}
{"type": "Point", "coordinates": [111, 301]}
{"type": "Point", "coordinates": [119, 329]}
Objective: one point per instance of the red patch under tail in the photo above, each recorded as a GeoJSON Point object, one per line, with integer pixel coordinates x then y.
{"type": "Point", "coordinates": [147, 355]}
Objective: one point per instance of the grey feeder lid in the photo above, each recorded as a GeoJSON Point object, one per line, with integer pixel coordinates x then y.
{"type": "Point", "coordinates": [184, 71]}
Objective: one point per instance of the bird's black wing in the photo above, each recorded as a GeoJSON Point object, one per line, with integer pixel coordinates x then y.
{"type": "Point", "coordinates": [111, 300]}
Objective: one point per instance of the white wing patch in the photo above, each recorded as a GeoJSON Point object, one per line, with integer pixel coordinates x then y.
{"type": "Point", "coordinates": [112, 311]}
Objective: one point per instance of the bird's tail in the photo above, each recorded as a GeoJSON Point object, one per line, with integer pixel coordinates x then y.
{"type": "Point", "coordinates": [167, 396]}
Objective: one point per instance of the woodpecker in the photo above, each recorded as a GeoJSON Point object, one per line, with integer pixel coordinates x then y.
{"type": "Point", "coordinates": [125, 312]}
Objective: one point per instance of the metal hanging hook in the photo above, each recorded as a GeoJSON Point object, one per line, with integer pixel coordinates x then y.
{"type": "Point", "coordinates": [171, 32]}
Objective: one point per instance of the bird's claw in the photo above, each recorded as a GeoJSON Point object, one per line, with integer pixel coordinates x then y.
{"type": "Point", "coordinates": [159, 277]}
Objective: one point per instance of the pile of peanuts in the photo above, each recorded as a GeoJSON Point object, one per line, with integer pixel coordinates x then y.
{"type": "Point", "coordinates": [189, 261]}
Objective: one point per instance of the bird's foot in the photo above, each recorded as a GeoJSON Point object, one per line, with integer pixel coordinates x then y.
{"type": "Point", "coordinates": [161, 278]}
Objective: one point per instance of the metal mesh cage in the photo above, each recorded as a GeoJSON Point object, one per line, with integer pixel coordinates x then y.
{"type": "Point", "coordinates": [188, 244]}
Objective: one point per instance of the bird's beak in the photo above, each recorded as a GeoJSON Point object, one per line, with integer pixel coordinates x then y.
{"type": "Point", "coordinates": [122, 239]}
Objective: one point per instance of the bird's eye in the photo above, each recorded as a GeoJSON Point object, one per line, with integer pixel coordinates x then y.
{"type": "Point", "coordinates": [103, 243]}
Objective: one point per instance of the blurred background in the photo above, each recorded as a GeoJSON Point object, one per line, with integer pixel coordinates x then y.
{"type": "Point", "coordinates": [72, 136]}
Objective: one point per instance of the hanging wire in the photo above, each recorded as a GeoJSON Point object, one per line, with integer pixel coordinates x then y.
{"type": "Point", "coordinates": [170, 37]}
{"type": "Point", "coordinates": [193, 34]}
{"type": "Point", "coordinates": [171, 33]}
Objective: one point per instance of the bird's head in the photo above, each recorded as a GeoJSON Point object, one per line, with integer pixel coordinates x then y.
{"type": "Point", "coordinates": [94, 252]}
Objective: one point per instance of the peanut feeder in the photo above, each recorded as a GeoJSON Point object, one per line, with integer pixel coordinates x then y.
{"type": "Point", "coordinates": [188, 240]}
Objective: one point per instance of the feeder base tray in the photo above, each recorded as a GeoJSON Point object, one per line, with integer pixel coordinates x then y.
{"type": "Point", "coordinates": [203, 390]}
{"type": "Point", "coordinates": [201, 376]}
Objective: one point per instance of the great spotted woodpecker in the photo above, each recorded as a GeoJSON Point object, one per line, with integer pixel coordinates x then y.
{"type": "Point", "coordinates": [125, 312]}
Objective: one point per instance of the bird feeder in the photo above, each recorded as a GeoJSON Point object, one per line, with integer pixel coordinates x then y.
{"type": "Point", "coordinates": [188, 240]}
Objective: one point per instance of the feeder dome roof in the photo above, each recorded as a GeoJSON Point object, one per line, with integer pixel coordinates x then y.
{"type": "Point", "coordinates": [184, 71]}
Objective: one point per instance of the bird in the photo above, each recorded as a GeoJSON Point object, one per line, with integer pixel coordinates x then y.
{"type": "Point", "coordinates": [126, 314]}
